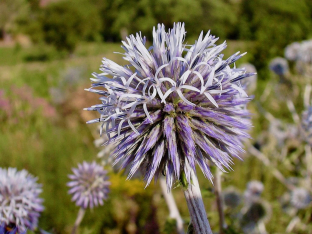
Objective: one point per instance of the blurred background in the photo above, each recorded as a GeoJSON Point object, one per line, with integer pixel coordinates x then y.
{"type": "Point", "coordinates": [48, 50]}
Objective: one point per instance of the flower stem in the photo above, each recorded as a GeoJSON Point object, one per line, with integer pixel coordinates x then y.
{"type": "Point", "coordinates": [173, 209]}
{"type": "Point", "coordinates": [80, 216]}
{"type": "Point", "coordinates": [218, 191]}
{"type": "Point", "coordinates": [196, 207]}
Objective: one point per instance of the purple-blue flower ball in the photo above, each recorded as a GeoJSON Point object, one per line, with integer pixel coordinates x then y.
{"type": "Point", "coordinates": [173, 106]}
{"type": "Point", "coordinates": [20, 205]}
{"type": "Point", "coordinates": [89, 185]}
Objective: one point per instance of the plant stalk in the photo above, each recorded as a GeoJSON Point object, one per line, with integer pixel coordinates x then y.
{"type": "Point", "coordinates": [219, 200]}
{"type": "Point", "coordinates": [196, 207]}
{"type": "Point", "coordinates": [172, 206]}
{"type": "Point", "coordinates": [80, 216]}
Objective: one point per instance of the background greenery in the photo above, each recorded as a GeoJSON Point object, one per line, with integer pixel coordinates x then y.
{"type": "Point", "coordinates": [47, 53]}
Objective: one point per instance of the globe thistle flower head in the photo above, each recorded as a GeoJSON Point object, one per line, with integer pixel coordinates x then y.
{"type": "Point", "coordinates": [279, 66]}
{"type": "Point", "coordinates": [88, 185]}
{"type": "Point", "coordinates": [173, 106]}
{"type": "Point", "coordinates": [307, 125]}
{"type": "Point", "coordinates": [253, 191]}
{"type": "Point", "coordinates": [300, 198]}
{"type": "Point", "coordinates": [231, 197]}
{"type": "Point", "coordinates": [305, 52]}
{"type": "Point", "coordinates": [292, 51]}
{"type": "Point", "coordinates": [256, 212]}
{"type": "Point", "coordinates": [20, 205]}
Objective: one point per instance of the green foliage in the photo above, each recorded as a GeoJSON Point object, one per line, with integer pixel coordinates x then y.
{"type": "Point", "coordinates": [142, 15]}
{"type": "Point", "coordinates": [42, 52]}
{"type": "Point", "coordinates": [190, 229]}
{"type": "Point", "coordinates": [63, 24]}
{"type": "Point", "coordinates": [273, 25]}
{"type": "Point", "coordinates": [10, 11]}
{"type": "Point", "coordinates": [170, 226]}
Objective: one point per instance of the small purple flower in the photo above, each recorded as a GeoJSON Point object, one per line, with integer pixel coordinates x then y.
{"type": "Point", "coordinates": [20, 204]}
{"type": "Point", "coordinates": [89, 185]}
{"type": "Point", "coordinates": [173, 106]}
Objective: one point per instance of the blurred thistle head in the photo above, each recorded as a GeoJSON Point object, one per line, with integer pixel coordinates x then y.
{"type": "Point", "coordinates": [300, 198]}
{"type": "Point", "coordinates": [88, 185]}
{"type": "Point", "coordinates": [173, 106]}
{"type": "Point", "coordinates": [253, 191]}
{"type": "Point", "coordinates": [231, 197]}
{"type": "Point", "coordinates": [279, 66]}
{"type": "Point", "coordinates": [305, 52]}
{"type": "Point", "coordinates": [292, 51]}
{"type": "Point", "coordinates": [257, 212]}
{"type": "Point", "coordinates": [249, 84]}
{"type": "Point", "coordinates": [20, 205]}
{"type": "Point", "coordinates": [307, 125]}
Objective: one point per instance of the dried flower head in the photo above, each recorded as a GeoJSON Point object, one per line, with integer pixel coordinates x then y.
{"type": "Point", "coordinates": [307, 124]}
{"type": "Point", "coordinates": [20, 205]}
{"type": "Point", "coordinates": [279, 66]}
{"type": "Point", "coordinates": [173, 106]}
{"type": "Point", "coordinates": [89, 185]}
{"type": "Point", "coordinates": [300, 198]}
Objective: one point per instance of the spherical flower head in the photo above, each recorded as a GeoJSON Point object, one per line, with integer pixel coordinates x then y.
{"type": "Point", "coordinates": [88, 185]}
{"type": "Point", "coordinates": [305, 52]}
{"type": "Point", "coordinates": [292, 51]}
{"type": "Point", "coordinates": [173, 106]}
{"type": "Point", "coordinates": [231, 197]}
{"type": "Point", "coordinates": [255, 213]}
{"type": "Point", "coordinates": [279, 66]}
{"type": "Point", "coordinates": [253, 191]}
{"type": "Point", "coordinates": [300, 198]}
{"type": "Point", "coordinates": [307, 125]}
{"type": "Point", "coordinates": [20, 204]}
